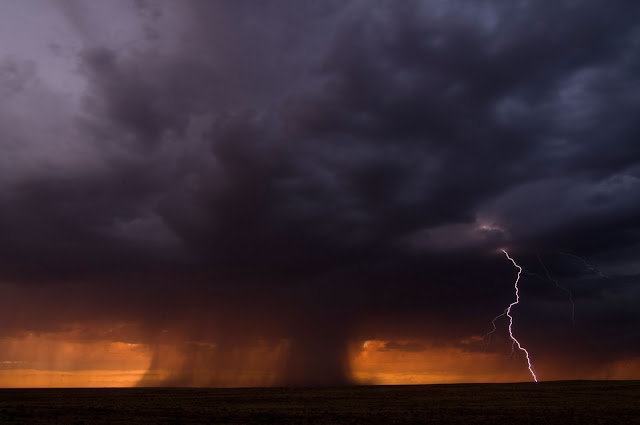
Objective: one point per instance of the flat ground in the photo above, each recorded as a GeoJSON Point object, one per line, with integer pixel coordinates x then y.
{"type": "Point", "coordinates": [584, 402]}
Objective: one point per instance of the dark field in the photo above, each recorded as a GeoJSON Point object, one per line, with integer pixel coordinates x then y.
{"type": "Point", "coordinates": [600, 402]}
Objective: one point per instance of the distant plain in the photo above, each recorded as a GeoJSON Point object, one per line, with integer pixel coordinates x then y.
{"type": "Point", "coordinates": [566, 402]}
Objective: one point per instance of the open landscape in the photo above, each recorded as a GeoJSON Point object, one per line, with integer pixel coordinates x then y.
{"type": "Point", "coordinates": [569, 402]}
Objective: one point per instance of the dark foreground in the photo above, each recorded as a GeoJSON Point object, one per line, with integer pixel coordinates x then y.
{"type": "Point", "coordinates": [604, 402]}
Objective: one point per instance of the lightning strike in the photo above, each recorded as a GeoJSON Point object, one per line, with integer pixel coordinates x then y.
{"type": "Point", "coordinates": [489, 334]}
{"type": "Point", "coordinates": [573, 304]}
{"type": "Point", "coordinates": [589, 266]}
{"type": "Point", "coordinates": [507, 312]}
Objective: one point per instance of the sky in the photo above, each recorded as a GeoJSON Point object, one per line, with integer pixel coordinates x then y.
{"type": "Point", "coordinates": [224, 193]}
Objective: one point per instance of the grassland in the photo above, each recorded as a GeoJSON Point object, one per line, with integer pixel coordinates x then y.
{"type": "Point", "coordinates": [583, 402]}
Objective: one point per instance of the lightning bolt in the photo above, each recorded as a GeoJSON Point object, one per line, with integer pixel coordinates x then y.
{"type": "Point", "coordinates": [589, 266]}
{"type": "Point", "coordinates": [573, 304]}
{"type": "Point", "coordinates": [489, 334]}
{"type": "Point", "coordinates": [507, 312]}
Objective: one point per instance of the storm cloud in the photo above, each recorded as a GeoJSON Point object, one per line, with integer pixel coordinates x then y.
{"type": "Point", "coordinates": [303, 175]}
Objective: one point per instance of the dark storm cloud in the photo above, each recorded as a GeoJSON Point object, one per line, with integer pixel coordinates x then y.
{"type": "Point", "coordinates": [363, 161]}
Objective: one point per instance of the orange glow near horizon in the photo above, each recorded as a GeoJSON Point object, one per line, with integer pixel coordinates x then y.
{"type": "Point", "coordinates": [53, 360]}
{"type": "Point", "coordinates": [94, 378]}
{"type": "Point", "coordinates": [59, 360]}
{"type": "Point", "coordinates": [376, 365]}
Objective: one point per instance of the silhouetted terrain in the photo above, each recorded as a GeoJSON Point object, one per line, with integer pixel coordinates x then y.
{"type": "Point", "coordinates": [576, 402]}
